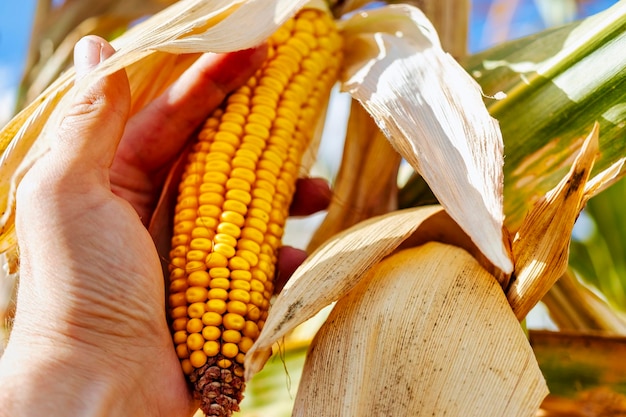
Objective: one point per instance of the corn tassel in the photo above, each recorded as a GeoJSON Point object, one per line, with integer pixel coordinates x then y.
{"type": "Point", "coordinates": [233, 201]}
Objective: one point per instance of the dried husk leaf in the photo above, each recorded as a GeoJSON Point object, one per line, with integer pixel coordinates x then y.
{"type": "Point", "coordinates": [573, 362]}
{"type": "Point", "coordinates": [450, 17]}
{"type": "Point", "coordinates": [426, 332]}
{"type": "Point", "coordinates": [366, 183]}
{"type": "Point", "coordinates": [573, 306]}
{"type": "Point", "coordinates": [332, 270]}
{"type": "Point", "coordinates": [432, 112]}
{"type": "Point", "coordinates": [541, 246]}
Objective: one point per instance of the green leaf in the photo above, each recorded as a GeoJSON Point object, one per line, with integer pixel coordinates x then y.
{"type": "Point", "coordinates": [272, 391]}
{"type": "Point", "coordinates": [557, 84]}
{"type": "Point", "coordinates": [599, 258]}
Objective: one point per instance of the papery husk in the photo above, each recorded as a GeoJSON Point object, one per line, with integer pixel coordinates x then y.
{"type": "Point", "coordinates": [541, 246]}
{"type": "Point", "coordinates": [450, 17]}
{"type": "Point", "coordinates": [574, 307]}
{"type": "Point", "coordinates": [57, 26]}
{"type": "Point", "coordinates": [342, 262]}
{"type": "Point", "coordinates": [427, 332]}
{"type": "Point", "coordinates": [366, 183]}
{"type": "Point", "coordinates": [332, 270]}
{"type": "Point", "coordinates": [432, 112]}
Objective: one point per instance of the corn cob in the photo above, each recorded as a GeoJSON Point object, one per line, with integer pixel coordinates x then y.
{"type": "Point", "coordinates": [233, 200]}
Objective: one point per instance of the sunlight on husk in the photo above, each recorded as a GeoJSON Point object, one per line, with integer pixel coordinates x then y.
{"type": "Point", "coordinates": [367, 155]}
{"type": "Point", "coordinates": [426, 332]}
{"type": "Point", "coordinates": [541, 246]}
{"type": "Point", "coordinates": [433, 114]}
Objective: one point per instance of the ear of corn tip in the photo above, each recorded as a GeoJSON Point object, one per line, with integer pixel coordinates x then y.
{"type": "Point", "coordinates": [233, 201]}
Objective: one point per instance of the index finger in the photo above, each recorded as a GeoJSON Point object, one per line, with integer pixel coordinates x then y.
{"type": "Point", "coordinates": [155, 135]}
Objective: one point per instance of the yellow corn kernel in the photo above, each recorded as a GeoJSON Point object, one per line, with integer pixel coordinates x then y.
{"type": "Point", "coordinates": [237, 307]}
{"type": "Point", "coordinates": [224, 363]}
{"type": "Point", "coordinates": [223, 283]}
{"type": "Point", "coordinates": [195, 341]}
{"type": "Point", "coordinates": [211, 318]}
{"type": "Point", "coordinates": [181, 324]}
{"type": "Point", "coordinates": [231, 336]}
{"type": "Point", "coordinates": [198, 358]}
{"type": "Point", "coordinates": [196, 310]}
{"type": "Point", "coordinates": [241, 275]}
{"type": "Point", "coordinates": [187, 366]}
{"type": "Point", "coordinates": [211, 348]}
{"type": "Point", "coordinates": [182, 351]}
{"type": "Point", "coordinates": [218, 294]}
{"type": "Point", "coordinates": [245, 344]}
{"type": "Point", "coordinates": [211, 333]}
{"type": "Point", "coordinates": [196, 294]}
{"type": "Point", "coordinates": [235, 192]}
{"type": "Point", "coordinates": [251, 329]}
{"type": "Point", "coordinates": [240, 358]}
{"type": "Point", "coordinates": [199, 279]}
{"type": "Point", "coordinates": [232, 321]}
{"type": "Point", "coordinates": [180, 337]}
{"type": "Point", "coordinates": [194, 326]}
{"type": "Point", "coordinates": [230, 350]}
{"type": "Point", "coordinates": [216, 306]}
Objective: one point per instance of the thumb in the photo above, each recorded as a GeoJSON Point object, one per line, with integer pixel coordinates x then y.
{"type": "Point", "coordinates": [90, 130]}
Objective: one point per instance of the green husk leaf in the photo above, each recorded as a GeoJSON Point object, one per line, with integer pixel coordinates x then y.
{"type": "Point", "coordinates": [599, 257]}
{"type": "Point", "coordinates": [557, 84]}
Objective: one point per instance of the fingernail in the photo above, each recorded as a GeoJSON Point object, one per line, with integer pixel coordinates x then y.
{"type": "Point", "coordinates": [87, 54]}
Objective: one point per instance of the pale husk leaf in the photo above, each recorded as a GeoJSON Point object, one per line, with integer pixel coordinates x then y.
{"type": "Point", "coordinates": [432, 112]}
{"type": "Point", "coordinates": [331, 271]}
{"type": "Point", "coordinates": [426, 332]}
{"type": "Point", "coordinates": [541, 246]}
{"type": "Point", "coordinates": [150, 53]}
{"type": "Point", "coordinates": [366, 183]}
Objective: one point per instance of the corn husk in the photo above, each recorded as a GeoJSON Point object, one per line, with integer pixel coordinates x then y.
{"type": "Point", "coordinates": [541, 245]}
{"type": "Point", "coordinates": [426, 332]}
{"type": "Point", "coordinates": [367, 155]}
{"type": "Point", "coordinates": [433, 114]}
{"type": "Point", "coordinates": [450, 17]}
{"type": "Point", "coordinates": [333, 270]}
{"type": "Point", "coordinates": [574, 307]}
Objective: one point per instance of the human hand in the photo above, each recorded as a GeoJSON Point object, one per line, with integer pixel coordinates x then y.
{"type": "Point", "coordinates": [91, 297]}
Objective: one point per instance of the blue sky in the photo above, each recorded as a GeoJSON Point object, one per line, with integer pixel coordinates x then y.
{"type": "Point", "coordinates": [16, 18]}
{"type": "Point", "coordinates": [15, 21]}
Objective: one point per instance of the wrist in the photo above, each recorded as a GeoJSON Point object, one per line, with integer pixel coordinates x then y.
{"type": "Point", "coordinates": [41, 379]}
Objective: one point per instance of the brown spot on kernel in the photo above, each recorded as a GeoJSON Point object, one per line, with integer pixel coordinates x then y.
{"type": "Point", "coordinates": [219, 390]}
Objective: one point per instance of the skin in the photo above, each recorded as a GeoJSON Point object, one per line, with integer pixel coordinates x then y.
{"type": "Point", "coordinates": [90, 336]}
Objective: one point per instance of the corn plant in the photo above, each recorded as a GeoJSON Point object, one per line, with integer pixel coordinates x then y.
{"type": "Point", "coordinates": [424, 287]}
